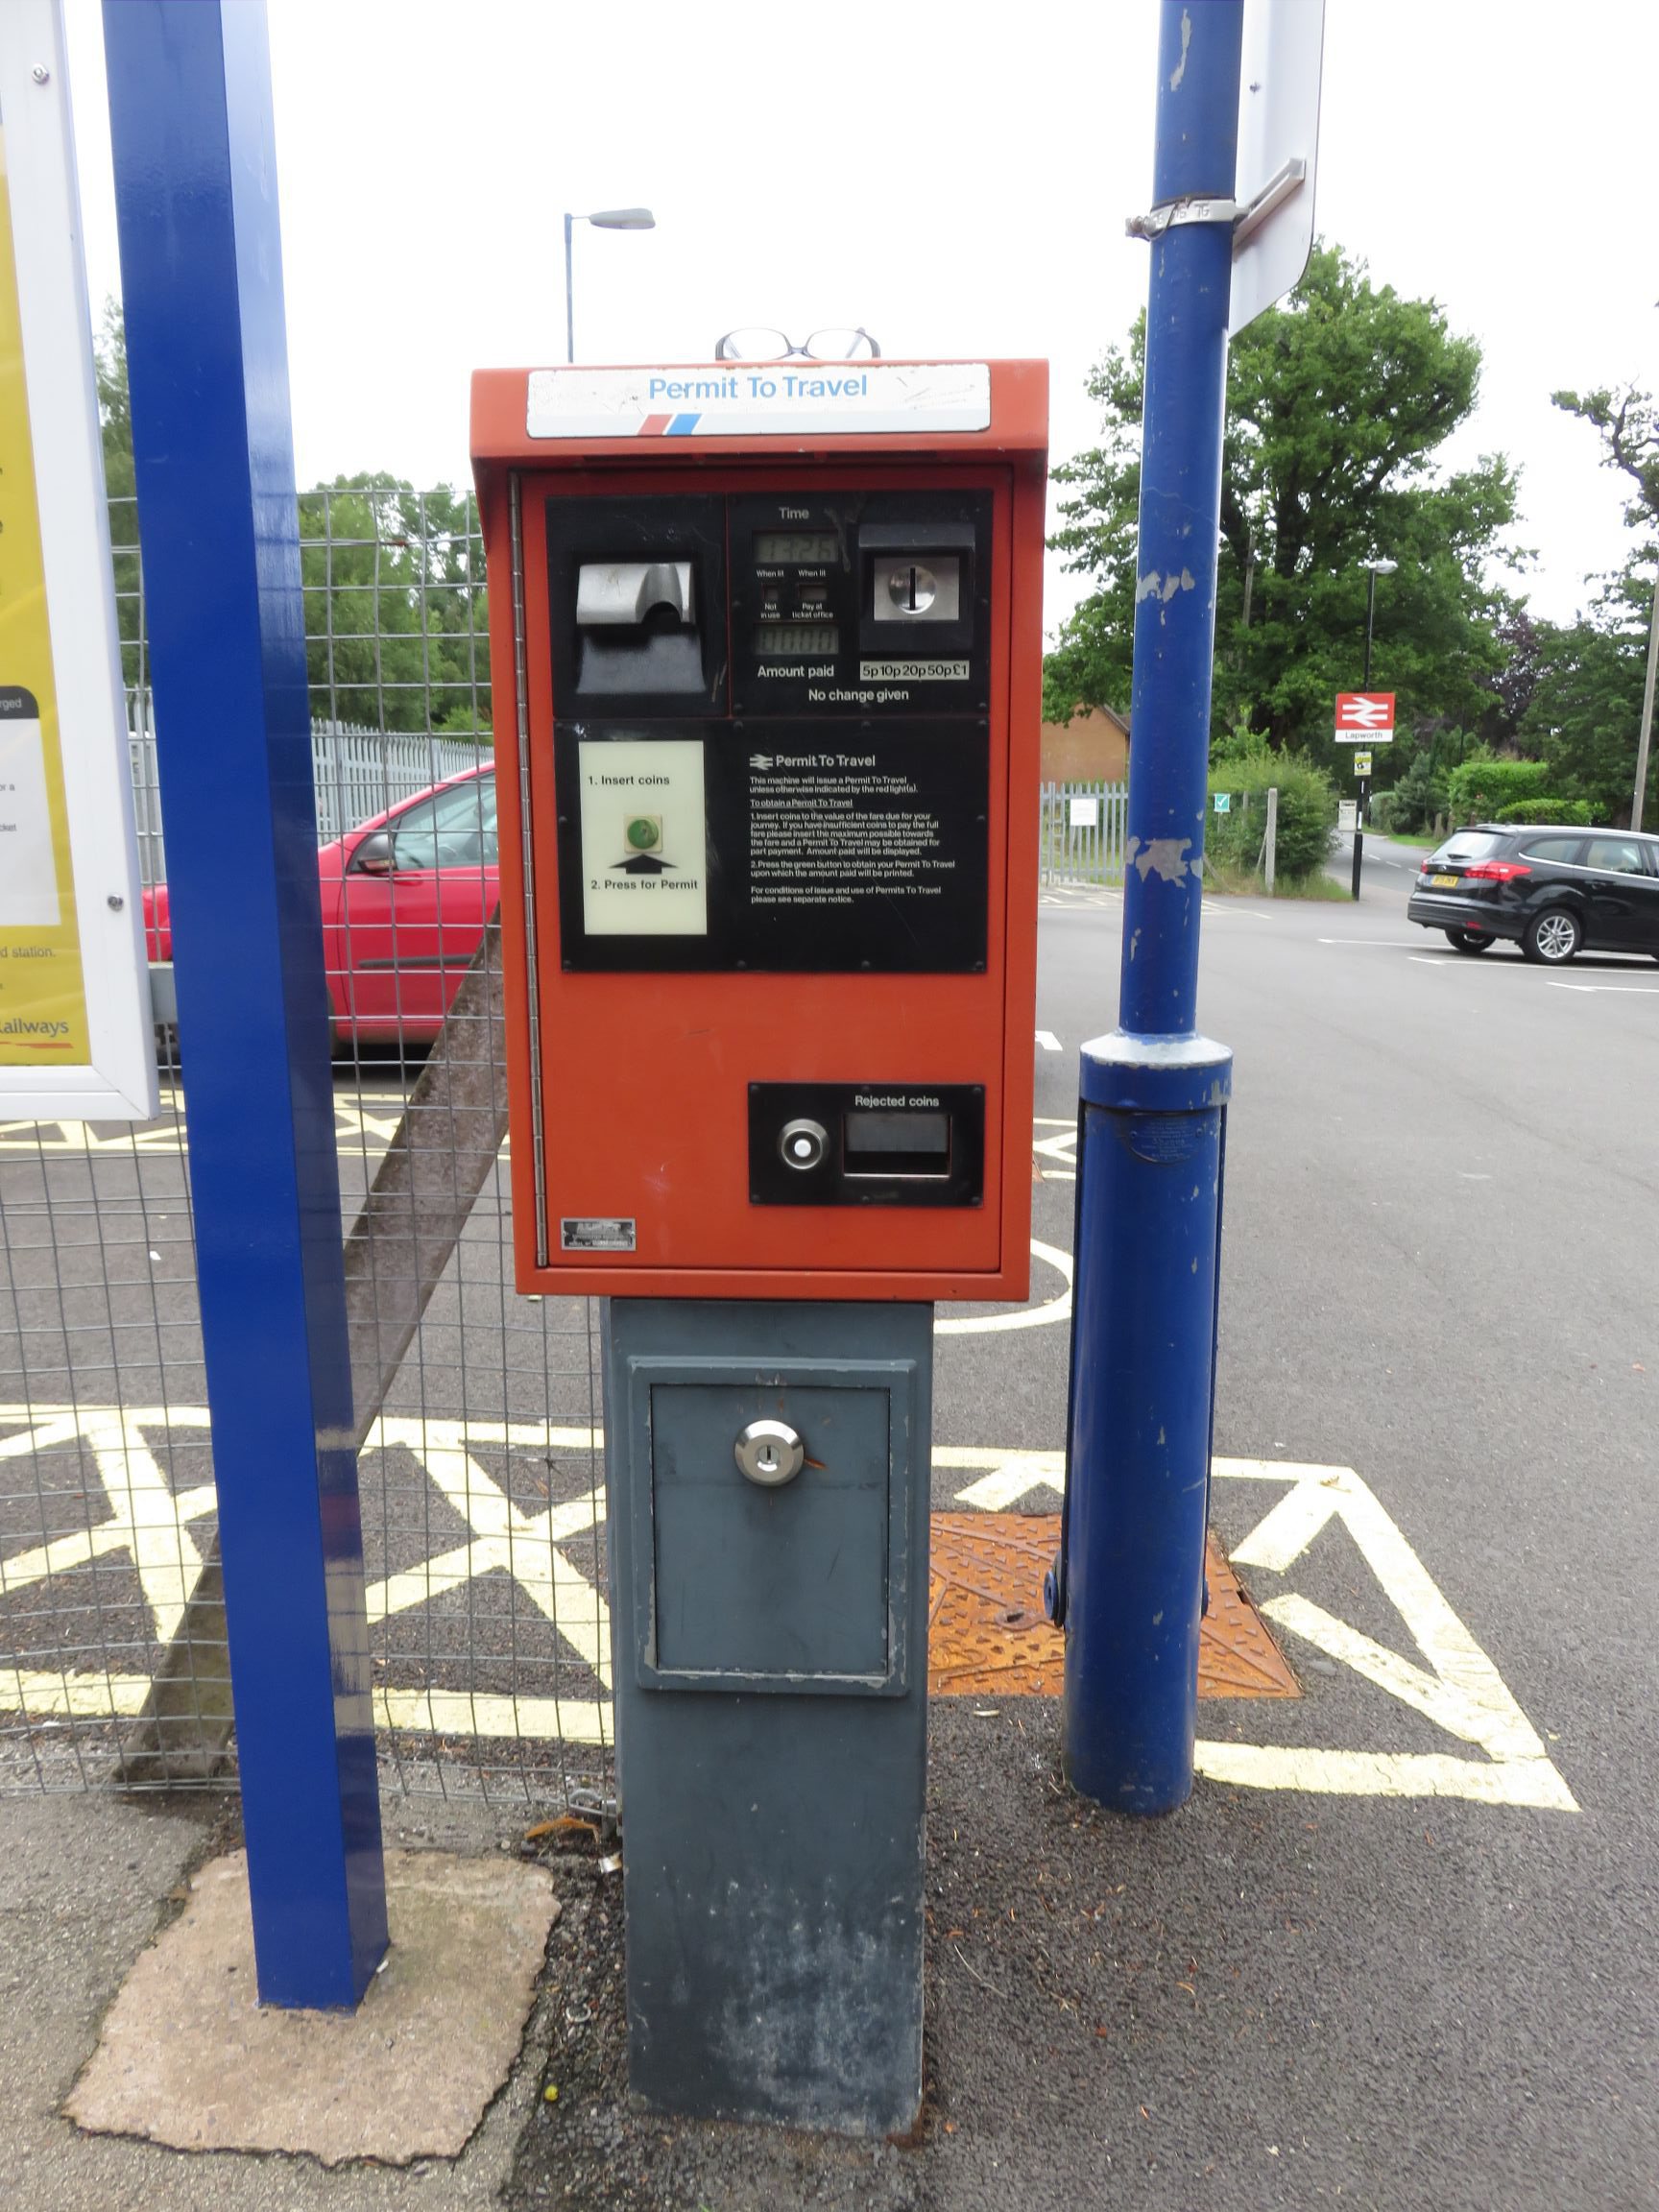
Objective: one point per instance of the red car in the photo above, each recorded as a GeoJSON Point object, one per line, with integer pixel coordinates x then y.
{"type": "Point", "coordinates": [405, 899]}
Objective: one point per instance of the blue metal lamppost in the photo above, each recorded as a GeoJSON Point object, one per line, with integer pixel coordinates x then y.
{"type": "Point", "coordinates": [1128, 1586]}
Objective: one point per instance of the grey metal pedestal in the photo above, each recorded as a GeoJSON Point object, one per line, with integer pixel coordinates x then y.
{"type": "Point", "coordinates": [771, 1687]}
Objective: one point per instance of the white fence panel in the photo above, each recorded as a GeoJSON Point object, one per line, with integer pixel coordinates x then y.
{"type": "Point", "coordinates": [357, 772]}
{"type": "Point", "coordinates": [1083, 831]}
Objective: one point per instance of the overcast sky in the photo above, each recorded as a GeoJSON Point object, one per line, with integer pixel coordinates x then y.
{"type": "Point", "coordinates": [954, 179]}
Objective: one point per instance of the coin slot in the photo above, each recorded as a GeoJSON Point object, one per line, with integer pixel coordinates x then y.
{"type": "Point", "coordinates": [884, 1143]}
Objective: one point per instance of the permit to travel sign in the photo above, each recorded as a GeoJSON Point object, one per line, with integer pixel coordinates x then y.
{"type": "Point", "coordinates": [76, 1040]}
{"type": "Point", "coordinates": [793, 399]}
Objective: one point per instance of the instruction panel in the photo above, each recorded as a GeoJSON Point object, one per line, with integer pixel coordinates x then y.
{"type": "Point", "coordinates": [818, 847]}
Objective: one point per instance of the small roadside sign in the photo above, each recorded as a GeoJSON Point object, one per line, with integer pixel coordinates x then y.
{"type": "Point", "coordinates": [1364, 717]}
{"type": "Point", "coordinates": [1361, 763]}
{"type": "Point", "coordinates": [1347, 817]}
{"type": "Point", "coordinates": [1223, 802]}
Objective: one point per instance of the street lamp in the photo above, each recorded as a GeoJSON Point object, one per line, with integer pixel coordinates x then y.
{"type": "Point", "coordinates": [1378, 568]}
{"type": "Point", "coordinates": [606, 219]}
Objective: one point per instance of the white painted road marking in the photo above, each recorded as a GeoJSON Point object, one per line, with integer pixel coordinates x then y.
{"type": "Point", "coordinates": [1063, 1145]}
{"type": "Point", "coordinates": [1021, 1316]}
{"type": "Point", "coordinates": [1048, 1039]}
{"type": "Point", "coordinates": [1632, 990]}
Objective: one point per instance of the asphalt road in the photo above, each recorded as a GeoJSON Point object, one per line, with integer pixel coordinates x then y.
{"type": "Point", "coordinates": [1440, 1267]}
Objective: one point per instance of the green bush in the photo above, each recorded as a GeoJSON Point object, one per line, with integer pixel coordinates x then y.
{"type": "Point", "coordinates": [1479, 788]}
{"type": "Point", "coordinates": [1572, 813]}
{"type": "Point", "coordinates": [1240, 742]}
{"type": "Point", "coordinates": [1307, 813]}
{"type": "Point", "coordinates": [1414, 801]}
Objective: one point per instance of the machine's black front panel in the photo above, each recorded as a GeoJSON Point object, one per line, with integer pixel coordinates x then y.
{"type": "Point", "coordinates": [868, 602]}
{"type": "Point", "coordinates": [774, 844]}
{"type": "Point", "coordinates": [772, 738]}
{"type": "Point", "coordinates": [866, 1144]}
{"type": "Point", "coordinates": [638, 605]}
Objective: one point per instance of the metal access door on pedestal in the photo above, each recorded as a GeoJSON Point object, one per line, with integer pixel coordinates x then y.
{"type": "Point", "coordinates": [768, 1513]}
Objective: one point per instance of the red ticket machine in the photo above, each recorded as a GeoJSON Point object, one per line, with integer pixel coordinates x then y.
{"type": "Point", "coordinates": [766, 665]}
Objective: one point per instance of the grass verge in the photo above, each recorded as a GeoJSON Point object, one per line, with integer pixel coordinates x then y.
{"type": "Point", "coordinates": [1245, 884]}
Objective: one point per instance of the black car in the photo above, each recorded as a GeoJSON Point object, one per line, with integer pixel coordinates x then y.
{"type": "Point", "coordinates": [1552, 891]}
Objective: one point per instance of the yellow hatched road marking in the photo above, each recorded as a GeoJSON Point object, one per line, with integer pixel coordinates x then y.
{"type": "Point", "coordinates": [1455, 1687]}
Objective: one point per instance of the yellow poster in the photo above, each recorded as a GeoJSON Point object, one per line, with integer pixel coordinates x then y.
{"type": "Point", "coordinates": [42, 1001]}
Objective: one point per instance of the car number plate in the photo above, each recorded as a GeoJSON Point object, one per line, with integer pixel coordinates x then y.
{"type": "Point", "coordinates": [1445, 882]}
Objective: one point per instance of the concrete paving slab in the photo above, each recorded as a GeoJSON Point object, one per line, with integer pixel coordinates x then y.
{"type": "Point", "coordinates": [189, 2059]}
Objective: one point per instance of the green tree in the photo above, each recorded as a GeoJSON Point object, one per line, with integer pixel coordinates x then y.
{"type": "Point", "coordinates": [1337, 405]}
{"type": "Point", "coordinates": [396, 617]}
{"type": "Point", "coordinates": [1629, 426]}
{"type": "Point", "coordinates": [1515, 683]}
{"type": "Point", "coordinates": [116, 425]}
{"type": "Point", "coordinates": [1586, 708]}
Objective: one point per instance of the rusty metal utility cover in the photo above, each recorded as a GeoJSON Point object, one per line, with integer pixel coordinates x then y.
{"type": "Point", "coordinates": [987, 1636]}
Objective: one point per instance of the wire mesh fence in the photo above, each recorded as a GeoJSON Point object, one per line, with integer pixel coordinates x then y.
{"type": "Point", "coordinates": [1083, 831]}
{"type": "Point", "coordinates": [479, 1466]}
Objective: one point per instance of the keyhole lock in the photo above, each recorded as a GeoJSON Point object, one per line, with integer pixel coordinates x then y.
{"type": "Point", "coordinates": [769, 1452]}
{"type": "Point", "coordinates": [912, 589]}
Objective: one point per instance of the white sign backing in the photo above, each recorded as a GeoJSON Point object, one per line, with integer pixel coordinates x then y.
{"type": "Point", "coordinates": [1278, 148]}
{"type": "Point", "coordinates": [791, 398]}
{"type": "Point", "coordinates": [76, 1038]}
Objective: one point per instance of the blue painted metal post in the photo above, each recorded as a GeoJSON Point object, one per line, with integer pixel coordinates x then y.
{"type": "Point", "coordinates": [1153, 1094]}
{"type": "Point", "coordinates": [206, 351]}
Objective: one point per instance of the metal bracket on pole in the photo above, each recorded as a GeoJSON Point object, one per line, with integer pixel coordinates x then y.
{"type": "Point", "coordinates": [1273, 195]}
{"type": "Point", "coordinates": [1193, 209]}
{"type": "Point", "coordinates": [1246, 220]}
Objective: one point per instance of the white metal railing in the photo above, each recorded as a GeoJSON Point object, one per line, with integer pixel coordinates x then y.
{"type": "Point", "coordinates": [358, 772]}
{"type": "Point", "coordinates": [1082, 834]}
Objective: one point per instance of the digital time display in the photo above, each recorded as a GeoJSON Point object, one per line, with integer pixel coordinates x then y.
{"type": "Point", "coordinates": [777, 548]}
{"type": "Point", "coordinates": [796, 642]}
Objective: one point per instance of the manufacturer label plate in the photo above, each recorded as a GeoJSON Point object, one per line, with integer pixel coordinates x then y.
{"type": "Point", "coordinates": [596, 1233]}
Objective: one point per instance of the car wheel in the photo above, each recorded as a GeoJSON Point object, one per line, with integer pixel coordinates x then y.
{"type": "Point", "coordinates": [1468, 941]}
{"type": "Point", "coordinates": [1553, 936]}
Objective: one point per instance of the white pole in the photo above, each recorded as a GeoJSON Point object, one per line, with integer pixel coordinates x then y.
{"type": "Point", "coordinates": [1272, 833]}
